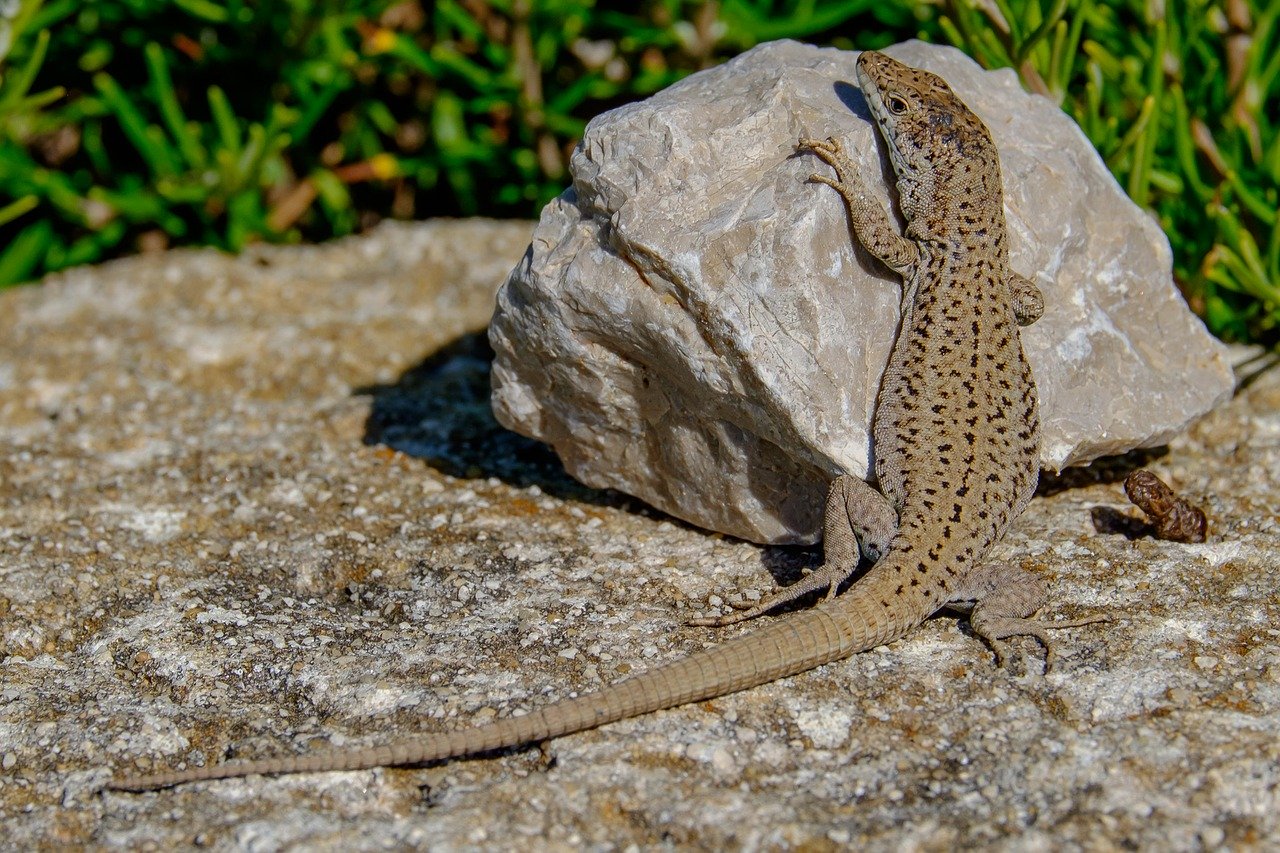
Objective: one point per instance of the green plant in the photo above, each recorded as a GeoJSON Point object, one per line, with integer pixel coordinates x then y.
{"type": "Point", "coordinates": [172, 122]}
{"type": "Point", "coordinates": [19, 259]}
{"type": "Point", "coordinates": [1174, 97]}
{"type": "Point", "coordinates": [146, 149]}
{"type": "Point", "coordinates": [133, 124]}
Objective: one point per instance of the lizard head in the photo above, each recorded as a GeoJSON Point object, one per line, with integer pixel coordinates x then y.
{"type": "Point", "coordinates": [933, 138]}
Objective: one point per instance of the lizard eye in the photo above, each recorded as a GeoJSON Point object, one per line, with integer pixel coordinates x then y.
{"type": "Point", "coordinates": [896, 104]}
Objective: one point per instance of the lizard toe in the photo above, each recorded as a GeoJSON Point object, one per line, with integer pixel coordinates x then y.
{"type": "Point", "coordinates": [993, 629]}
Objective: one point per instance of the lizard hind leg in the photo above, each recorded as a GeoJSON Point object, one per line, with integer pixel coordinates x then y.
{"type": "Point", "coordinates": [859, 522]}
{"type": "Point", "coordinates": [1003, 597]}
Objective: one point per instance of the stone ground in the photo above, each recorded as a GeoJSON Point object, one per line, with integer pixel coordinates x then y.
{"type": "Point", "coordinates": [257, 505]}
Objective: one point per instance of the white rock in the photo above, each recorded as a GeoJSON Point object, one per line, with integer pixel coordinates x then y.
{"type": "Point", "coordinates": [693, 325]}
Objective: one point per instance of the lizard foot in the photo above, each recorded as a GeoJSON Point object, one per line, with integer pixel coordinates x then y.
{"type": "Point", "coordinates": [1028, 301]}
{"type": "Point", "coordinates": [829, 151]}
{"type": "Point", "coordinates": [1004, 597]}
{"type": "Point", "coordinates": [994, 629]}
{"type": "Point", "coordinates": [828, 577]}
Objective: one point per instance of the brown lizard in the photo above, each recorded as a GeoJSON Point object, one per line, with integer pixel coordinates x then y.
{"type": "Point", "coordinates": [956, 437]}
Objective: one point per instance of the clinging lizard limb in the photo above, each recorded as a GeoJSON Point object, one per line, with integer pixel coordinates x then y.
{"type": "Point", "coordinates": [956, 437]}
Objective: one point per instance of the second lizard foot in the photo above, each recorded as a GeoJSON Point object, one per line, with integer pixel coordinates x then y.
{"type": "Point", "coordinates": [828, 577]}
{"type": "Point", "coordinates": [994, 629]}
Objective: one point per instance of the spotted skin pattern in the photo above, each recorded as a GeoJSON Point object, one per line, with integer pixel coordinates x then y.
{"type": "Point", "coordinates": [956, 437]}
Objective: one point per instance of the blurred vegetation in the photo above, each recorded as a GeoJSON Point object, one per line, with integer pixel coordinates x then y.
{"type": "Point", "coordinates": [134, 125]}
{"type": "Point", "coordinates": [1180, 98]}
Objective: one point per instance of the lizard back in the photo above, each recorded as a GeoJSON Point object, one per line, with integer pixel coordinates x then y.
{"type": "Point", "coordinates": [957, 430]}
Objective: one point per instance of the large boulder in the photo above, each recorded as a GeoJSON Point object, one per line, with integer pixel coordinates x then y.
{"type": "Point", "coordinates": [694, 325]}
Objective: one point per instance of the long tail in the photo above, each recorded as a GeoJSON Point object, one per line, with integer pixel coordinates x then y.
{"type": "Point", "coordinates": [859, 619]}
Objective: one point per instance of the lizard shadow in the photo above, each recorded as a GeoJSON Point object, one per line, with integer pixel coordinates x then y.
{"type": "Point", "coordinates": [787, 564]}
{"type": "Point", "coordinates": [853, 98]}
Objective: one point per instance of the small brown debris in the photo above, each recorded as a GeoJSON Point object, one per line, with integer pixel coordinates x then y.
{"type": "Point", "coordinates": [1173, 518]}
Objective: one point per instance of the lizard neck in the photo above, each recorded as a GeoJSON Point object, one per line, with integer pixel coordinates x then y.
{"type": "Point", "coordinates": [957, 205]}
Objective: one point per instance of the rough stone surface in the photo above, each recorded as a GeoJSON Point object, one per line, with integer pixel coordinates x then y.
{"type": "Point", "coordinates": [694, 326]}
{"type": "Point", "coordinates": [258, 505]}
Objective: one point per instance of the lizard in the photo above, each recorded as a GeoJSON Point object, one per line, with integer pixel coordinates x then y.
{"type": "Point", "coordinates": [956, 438]}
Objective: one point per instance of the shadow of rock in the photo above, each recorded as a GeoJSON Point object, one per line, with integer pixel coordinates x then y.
{"type": "Point", "coordinates": [1108, 469]}
{"type": "Point", "coordinates": [438, 411]}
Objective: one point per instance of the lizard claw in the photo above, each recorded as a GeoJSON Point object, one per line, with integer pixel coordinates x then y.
{"type": "Point", "coordinates": [830, 145]}
{"type": "Point", "coordinates": [829, 151]}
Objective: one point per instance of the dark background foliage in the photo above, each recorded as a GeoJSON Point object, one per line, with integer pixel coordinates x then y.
{"type": "Point", "coordinates": [135, 125]}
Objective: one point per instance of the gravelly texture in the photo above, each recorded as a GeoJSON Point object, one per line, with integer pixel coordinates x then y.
{"type": "Point", "coordinates": [252, 505]}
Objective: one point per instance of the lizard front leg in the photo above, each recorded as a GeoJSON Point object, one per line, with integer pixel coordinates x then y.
{"type": "Point", "coordinates": [871, 224]}
{"type": "Point", "coordinates": [859, 522]}
{"type": "Point", "coordinates": [1028, 301]}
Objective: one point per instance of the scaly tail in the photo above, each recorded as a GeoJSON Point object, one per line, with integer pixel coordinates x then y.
{"type": "Point", "coordinates": [853, 622]}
